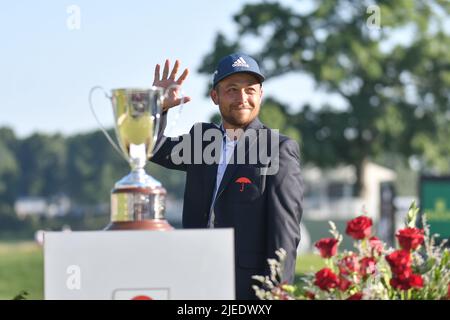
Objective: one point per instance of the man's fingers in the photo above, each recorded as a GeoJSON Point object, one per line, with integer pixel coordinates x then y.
{"type": "Point", "coordinates": [156, 76]}
{"type": "Point", "coordinates": [175, 70]}
{"type": "Point", "coordinates": [166, 70]}
{"type": "Point", "coordinates": [183, 76]}
{"type": "Point", "coordinates": [173, 73]}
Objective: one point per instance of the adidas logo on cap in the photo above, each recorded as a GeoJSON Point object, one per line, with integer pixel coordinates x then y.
{"type": "Point", "coordinates": [236, 62]}
{"type": "Point", "coordinates": [240, 63]}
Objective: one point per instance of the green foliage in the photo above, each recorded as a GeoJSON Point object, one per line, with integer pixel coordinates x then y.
{"type": "Point", "coordinates": [22, 295]}
{"type": "Point", "coordinates": [21, 271]}
{"type": "Point", "coordinates": [209, 62]}
{"type": "Point", "coordinates": [396, 93]}
{"type": "Point", "coordinates": [42, 161]}
{"type": "Point", "coordinates": [417, 270]}
{"type": "Point", "coordinates": [9, 169]}
{"type": "Point", "coordinates": [412, 215]}
{"type": "Point", "coordinates": [90, 164]}
{"type": "Point", "coordinates": [274, 115]}
{"type": "Point", "coordinates": [9, 172]}
{"type": "Point", "coordinates": [84, 167]}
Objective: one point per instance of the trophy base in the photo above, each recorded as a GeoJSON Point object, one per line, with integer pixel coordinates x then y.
{"type": "Point", "coordinates": [150, 225]}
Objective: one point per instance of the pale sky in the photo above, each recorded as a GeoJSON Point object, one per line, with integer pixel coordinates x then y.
{"type": "Point", "coordinates": [47, 68]}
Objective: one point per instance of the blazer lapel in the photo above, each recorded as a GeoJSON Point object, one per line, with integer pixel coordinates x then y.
{"type": "Point", "coordinates": [209, 180]}
{"type": "Point", "coordinates": [232, 167]}
{"type": "Point", "coordinates": [229, 173]}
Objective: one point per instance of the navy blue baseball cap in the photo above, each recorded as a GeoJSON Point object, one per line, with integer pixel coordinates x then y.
{"type": "Point", "coordinates": [236, 62]}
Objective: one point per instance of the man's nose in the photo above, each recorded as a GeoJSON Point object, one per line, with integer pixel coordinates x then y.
{"type": "Point", "coordinates": [241, 96]}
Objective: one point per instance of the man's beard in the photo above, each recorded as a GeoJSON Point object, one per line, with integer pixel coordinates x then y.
{"type": "Point", "coordinates": [237, 122]}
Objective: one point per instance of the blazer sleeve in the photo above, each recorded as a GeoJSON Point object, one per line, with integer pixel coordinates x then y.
{"type": "Point", "coordinates": [165, 146]}
{"type": "Point", "coordinates": [284, 207]}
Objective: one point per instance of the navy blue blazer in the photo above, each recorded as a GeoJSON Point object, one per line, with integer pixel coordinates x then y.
{"type": "Point", "coordinates": [264, 210]}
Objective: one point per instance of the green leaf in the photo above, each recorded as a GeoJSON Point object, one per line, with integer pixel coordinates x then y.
{"type": "Point", "coordinates": [411, 216]}
{"type": "Point", "coordinates": [21, 295]}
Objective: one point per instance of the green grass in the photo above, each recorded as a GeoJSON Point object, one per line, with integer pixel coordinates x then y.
{"type": "Point", "coordinates": [22, 268]}
{"type": "Point", "coordinates": [306, 263]}
{"type": "Point", "coordinates": [309, 263]}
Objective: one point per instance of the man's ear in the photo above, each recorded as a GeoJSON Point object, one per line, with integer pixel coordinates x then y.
{"type": "Point", "coordinates": [214, 96]}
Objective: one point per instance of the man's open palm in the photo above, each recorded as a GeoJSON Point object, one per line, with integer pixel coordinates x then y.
{"type": "Point", "coordinates": [167, 81]}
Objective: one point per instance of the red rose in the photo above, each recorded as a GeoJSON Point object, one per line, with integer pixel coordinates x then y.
{"type": "Point", "coordinates": [310, 295]}
{"type": "Point", "coordinates": [448, 291]}
{"type": "Point", "coordinates": [326, 279]}
{"type": "Point", "coordinates": [359, 228]}
{"type": "Point", "coordinates": [399, 261]}
{"type": "Point", "coordinates": [348, 265]}
{"type": "Point", "coordinates": [376, 245]}
{"type": "Point", "coordinates": [368, 266]}
{"type": "Point", "coordinates": [327, 247]}
{"type": "Point", "coordinates": [410, 238]}
{"type": "Point", "coordinates": [407, 281]}
{"type": "Point", "coordinates": [400, 283]}
{"type": "Point", "coordinates": [344, 284]}
{"type": "Point", "coordinates": [403, 274]}
{"type": "Point", "coordinates": [416, 281]}
{"type": "Point", "coordinates": [356, 296]}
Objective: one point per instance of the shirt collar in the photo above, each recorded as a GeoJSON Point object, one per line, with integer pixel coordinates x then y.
{"type": "Point", "coordinates": [225, 136]}
{"type": "Point", "coordinates": [222, 129]}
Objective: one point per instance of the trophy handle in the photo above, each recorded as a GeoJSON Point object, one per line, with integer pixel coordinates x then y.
{"type": "Point", "coordinates": [111, 141]}
{"type": "Point", "coordinates": [157, 117]}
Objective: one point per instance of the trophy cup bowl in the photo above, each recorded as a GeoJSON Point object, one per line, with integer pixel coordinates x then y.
{"type": "Point", "coordinates": [138, 199]}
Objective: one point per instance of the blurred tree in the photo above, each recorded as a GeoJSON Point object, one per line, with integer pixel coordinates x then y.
{"type": "Point", "coordinates": [276, 115]}
{"type": "Point", "coordinates": [9, 168]}
{"type": "Point", "coordinates": [42, 160]}
{"type": "Point", "coordinates": [93, 166]}
{"type": "Point", "coordinates": [395, 89]}
{"type": "Point", "coordinates": [172, 180]}
{"type": "Point", "coordinates": [84, 167]}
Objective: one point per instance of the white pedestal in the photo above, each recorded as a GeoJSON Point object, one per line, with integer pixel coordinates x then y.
{"type": "Point", "coordinates": [180, 264]}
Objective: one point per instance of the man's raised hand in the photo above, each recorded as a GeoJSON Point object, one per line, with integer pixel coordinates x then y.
{"type": "Point", "coordinates": [167, 80]}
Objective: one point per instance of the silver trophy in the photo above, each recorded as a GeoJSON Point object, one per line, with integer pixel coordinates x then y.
{"type": "Point", "coordinates": [137, 200]}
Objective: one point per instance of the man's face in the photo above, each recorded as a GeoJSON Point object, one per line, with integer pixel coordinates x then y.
{"type": "Point", "coordinates": [239, 99]}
